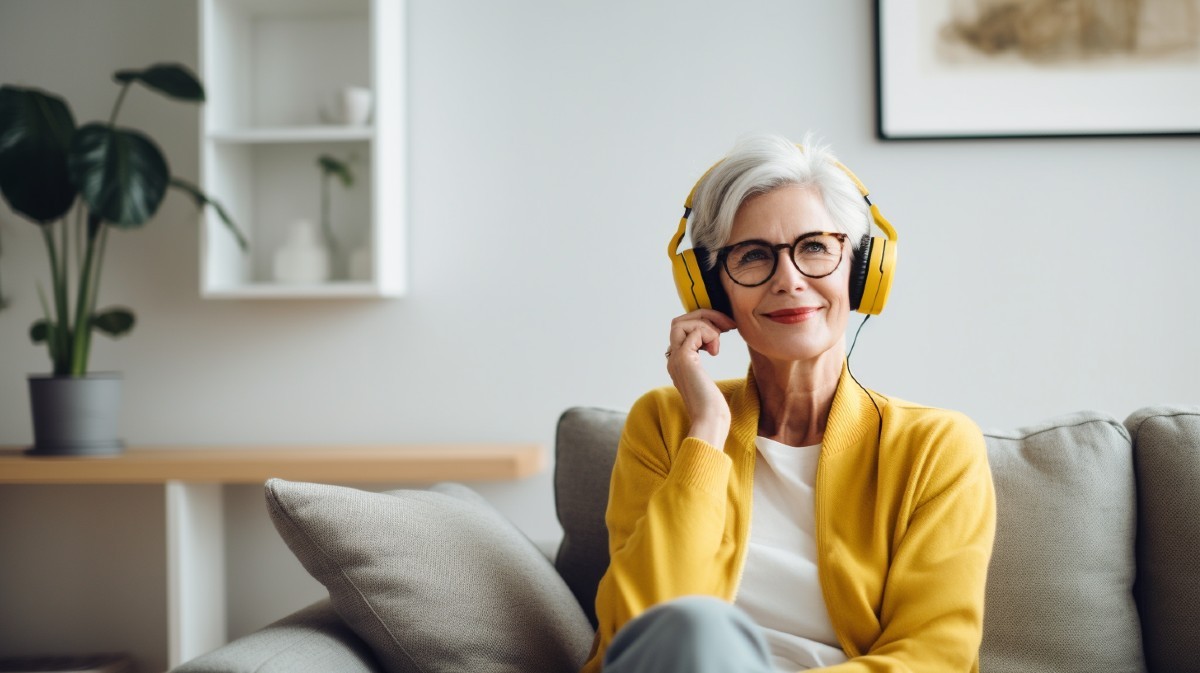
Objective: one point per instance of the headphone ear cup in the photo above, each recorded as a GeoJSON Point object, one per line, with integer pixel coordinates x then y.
{"type": "Point", "coordinates": [862, 268]}
{"type": "Point", "coordinates": [688, 280]}
{"type": "Point", "coordinates": [717, 298]}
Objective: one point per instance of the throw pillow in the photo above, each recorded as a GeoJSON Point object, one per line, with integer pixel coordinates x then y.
{"type": "Point", "coordinates": [433, 580]}
{"type": "Point", "coordinates": [1060, 584]}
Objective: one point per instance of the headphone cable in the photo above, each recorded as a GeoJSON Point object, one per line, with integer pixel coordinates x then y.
{"type": "Point", "coordinates": [853, 343]}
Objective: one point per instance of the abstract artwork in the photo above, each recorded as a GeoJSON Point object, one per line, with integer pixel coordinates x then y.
{"type": "Point", "coordinates": [1032, 68]}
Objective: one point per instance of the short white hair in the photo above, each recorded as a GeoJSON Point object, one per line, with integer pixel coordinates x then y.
{"type": "Point", "coordinates": [761, 163]}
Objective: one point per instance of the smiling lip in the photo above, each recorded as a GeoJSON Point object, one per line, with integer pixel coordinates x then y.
{"type": "Point", "coordinates": [792, 315]}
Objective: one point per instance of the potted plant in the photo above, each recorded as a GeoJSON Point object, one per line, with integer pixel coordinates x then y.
{"type": "Point", "coordinates": [75, 184]}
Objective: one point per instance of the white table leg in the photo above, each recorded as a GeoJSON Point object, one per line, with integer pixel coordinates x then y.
{"type": "Point", "coordinates": [196, 620]}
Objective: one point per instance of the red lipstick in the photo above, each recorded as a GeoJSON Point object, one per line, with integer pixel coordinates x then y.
{"type": "Point", "coordinates": [790, 316]}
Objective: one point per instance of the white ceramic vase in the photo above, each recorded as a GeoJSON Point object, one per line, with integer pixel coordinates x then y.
{"type": "Point", "coordinates": [302, 258]}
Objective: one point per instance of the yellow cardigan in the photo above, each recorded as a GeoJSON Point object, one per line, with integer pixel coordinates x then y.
{"type": "Point", "coordinates": [905, 516]}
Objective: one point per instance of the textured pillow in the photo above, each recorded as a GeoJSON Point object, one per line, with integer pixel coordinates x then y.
{"type": "Point", "coordinates": [433, 580]}
{"type": "Point", "coordinates": [1166, 443]}
{"type": "Point", "coordinates": [1060, 584]}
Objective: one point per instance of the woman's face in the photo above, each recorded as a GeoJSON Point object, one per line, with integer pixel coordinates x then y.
{"type": "Point", "coordinates": [791, 316]}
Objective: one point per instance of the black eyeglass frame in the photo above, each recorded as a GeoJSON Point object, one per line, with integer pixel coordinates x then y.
{"type": "Point", "coordinates": [723, 255]}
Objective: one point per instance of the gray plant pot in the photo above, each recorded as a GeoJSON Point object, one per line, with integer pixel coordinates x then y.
{"type": "Point", "coordinates": [75, 416]}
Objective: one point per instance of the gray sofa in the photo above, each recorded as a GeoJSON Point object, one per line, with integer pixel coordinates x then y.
{"type": "Point", "coordinates": [1096, 565]}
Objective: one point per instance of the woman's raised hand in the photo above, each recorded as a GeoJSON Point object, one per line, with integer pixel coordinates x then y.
{"type": "Point", "coordinates": [706, 406]}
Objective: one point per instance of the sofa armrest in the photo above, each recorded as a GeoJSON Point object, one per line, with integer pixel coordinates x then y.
{"type": "Point", "coordinates": [314, 639]}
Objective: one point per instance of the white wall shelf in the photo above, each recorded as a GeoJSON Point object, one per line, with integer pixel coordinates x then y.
{"type": "Point", "coordinates": [266, 290]}
{"type": "Point", "coordinates": [274, 71]}
{"type": "Point", "coordinates": [294, 134]}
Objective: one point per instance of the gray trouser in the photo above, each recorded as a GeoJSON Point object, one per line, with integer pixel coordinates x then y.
{"type": "Point", "coordinates": [693, 634]}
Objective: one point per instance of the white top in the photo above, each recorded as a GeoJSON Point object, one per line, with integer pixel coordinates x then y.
{"type": "Point", "coordinates": [779, 587]}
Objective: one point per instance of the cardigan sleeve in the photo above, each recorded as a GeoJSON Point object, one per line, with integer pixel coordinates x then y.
{"type": "Point", "coordinates": [665, 517]}
{"type": "Point", "coordinates": [931, 615]}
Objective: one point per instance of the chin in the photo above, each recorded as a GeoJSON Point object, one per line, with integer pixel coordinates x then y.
{"type": "Point", "coordinates": [800, 351]}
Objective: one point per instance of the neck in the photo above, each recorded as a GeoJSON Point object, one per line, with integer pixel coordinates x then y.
{"type": "Point", "coordinates": [795, 396]}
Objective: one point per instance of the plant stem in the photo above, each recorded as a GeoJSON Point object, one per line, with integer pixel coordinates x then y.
{"type": "Point", "coordinates": [83, 303]}
{"type": "Point", "coordinates": [58, 340]}
{"type": "Point", "coordinates": [63, 282]}
{"type": "Point", "coordinates": [3, 300]}
{"type": "Point", "coordinates": [62, 285]}
{"type": "Point", "coordinates": [78, 230]}
{"type": "Point", "coordinates": [326, 221]}
{"type": "Point", "coordinates": [95, 292]}
{"type": "Point", "coordinates": [112, 120]}
{"type": "Point", "coordinates": [50, 329]}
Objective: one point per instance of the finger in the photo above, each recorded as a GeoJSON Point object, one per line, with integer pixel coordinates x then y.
{"type": "Point", "coordinates": [705, 337]}
{"type": "Point", "coordinates": [687, 324]}
{"type": "Point", "coordinates": [719, 320]}
{"type": "Point", "coordinates": [682, 334]}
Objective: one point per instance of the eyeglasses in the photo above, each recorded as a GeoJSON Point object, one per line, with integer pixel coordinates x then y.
{"type": "Point", "coordinates": [752, 263]}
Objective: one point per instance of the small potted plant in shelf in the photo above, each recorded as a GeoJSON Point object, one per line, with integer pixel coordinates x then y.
{"type": "Point", "coordinates": [304, 258]}
{"type": "Point", "coordinates": [358, 261]}
{"type": "Point", "coordinates": [76, 184]}
{"type": "Point", "coordinates": [332, 167]}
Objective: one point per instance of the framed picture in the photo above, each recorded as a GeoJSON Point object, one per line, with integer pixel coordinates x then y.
{"type": "Point", "coordinates": [1037, 68]}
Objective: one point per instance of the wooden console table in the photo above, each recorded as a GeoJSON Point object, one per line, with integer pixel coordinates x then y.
{"type": "Point", "coordinates": [192, 477]}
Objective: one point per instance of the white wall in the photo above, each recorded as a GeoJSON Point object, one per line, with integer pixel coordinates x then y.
{"type": "Point", "coordinates": [552, 144]}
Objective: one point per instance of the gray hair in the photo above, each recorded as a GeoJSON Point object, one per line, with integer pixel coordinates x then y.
{"type": "Point", "coordinates": [758, 164]}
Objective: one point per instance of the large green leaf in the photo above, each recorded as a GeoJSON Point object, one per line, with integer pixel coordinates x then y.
{"type": "Point", "coordinates": [113, 321]}
{"type": "Point", "coordinates": [121, 173]}
{"type": "Point", "coordinates": [41, 331]}
{"type": "Point", "coordinates": [201, 199]}
{"type": "Point", "coordinates": [35, 133]}
{"type": "Point", "coordinates": [172, 79]}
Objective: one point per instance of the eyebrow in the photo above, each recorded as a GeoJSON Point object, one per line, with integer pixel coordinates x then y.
{"type": "Point", "coordinates": [766, 242]}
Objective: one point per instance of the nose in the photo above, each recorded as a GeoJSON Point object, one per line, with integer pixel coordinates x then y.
{"type": "Point", "coordinates": [787, 276]}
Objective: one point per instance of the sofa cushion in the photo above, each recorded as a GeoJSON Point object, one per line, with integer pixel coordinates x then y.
{"type": "Point", "coordinates": [1166, 443]}
{"type": "Point", "coordinates": [433, 580]}
{"type": "Point", "coordinates": [312, 640]}
{"type": "Point", "coordinates": [585, 450]}
{"type": "Point", "coordinates": [1060, 583]}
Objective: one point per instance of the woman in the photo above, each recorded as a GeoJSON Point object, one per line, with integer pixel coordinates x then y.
{"type": "Point", "coordinates": [790, 520]}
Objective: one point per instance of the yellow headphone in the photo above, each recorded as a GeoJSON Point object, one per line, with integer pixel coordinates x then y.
{"type": "Point", "coordinates": [870, 279]}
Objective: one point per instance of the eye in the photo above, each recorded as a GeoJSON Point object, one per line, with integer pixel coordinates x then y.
{"type": "Point", "coordinates": [813, 246]}
{"type": "Point", "coordinates": [818, 246]}
{"type": "Point", "coordinates": [752, 254]}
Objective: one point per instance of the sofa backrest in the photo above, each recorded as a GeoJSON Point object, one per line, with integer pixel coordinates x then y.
{"type": "Point", "coordinates": [1060, 584]}
{"type": "Point", "coordinates": [1167, 462]}
{"type": "Point", "coordinates": [585, 450]}
{"type": "Point", "coordinates": [1061, 593]}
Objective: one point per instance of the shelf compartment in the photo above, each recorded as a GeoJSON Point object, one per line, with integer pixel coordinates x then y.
{"type": "Point", "coordinates": [275, 64]}
{"type": "Point", "coordinates": [277, 184]}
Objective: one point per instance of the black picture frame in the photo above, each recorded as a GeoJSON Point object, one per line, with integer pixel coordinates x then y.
{"type": "Point", "coordinates": [941, 76]}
